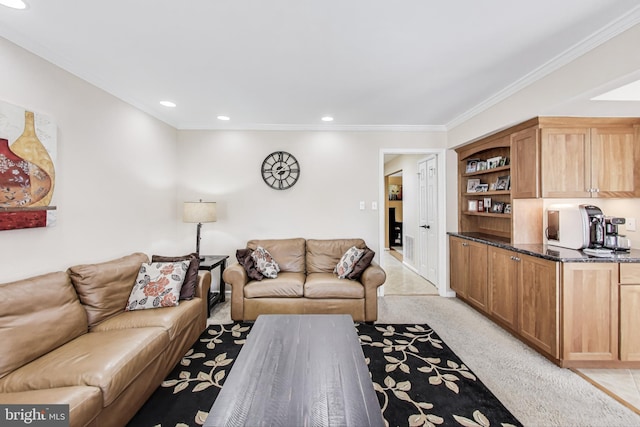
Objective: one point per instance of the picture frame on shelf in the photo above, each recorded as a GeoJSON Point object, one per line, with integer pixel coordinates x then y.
{"type": "Point", "coordinates": [497, 207]}
{"type": "Point", "coordinates": [487, 204]}
{"type": "Point", "coordinates": [472, 166]}
{"type": "Point", "coordinates": [482, 188]}
{"type": "Point", "coordinates": [472, 184]}
{"type": "Point", "coordinates": [507, 208]}
{"type": "Point", "coordinates": [472, 206]}
{"type": "Point", "coordinates": [493, 162]}
{"type": "Point", "coordinates": [481, 205]}
{"type": "Point", "coordinates": [482, 165]}
{"type": "Point", "coordinates": [503, 182]}
{"type": "Point", "coordinates": [504, 162]}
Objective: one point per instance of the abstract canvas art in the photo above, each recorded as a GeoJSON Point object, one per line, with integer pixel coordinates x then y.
{"type": "Point", "coordinates": [27, 168]}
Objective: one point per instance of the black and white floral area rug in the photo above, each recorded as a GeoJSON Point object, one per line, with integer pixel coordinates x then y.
{"type": "Point", "coordinates": [419, 381]}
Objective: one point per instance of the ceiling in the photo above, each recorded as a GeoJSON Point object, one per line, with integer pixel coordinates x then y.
{"type": "Point", "coordinates": [284, 64]}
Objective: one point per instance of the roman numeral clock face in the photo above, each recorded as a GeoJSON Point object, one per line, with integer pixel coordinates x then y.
{"type": "Point", "coordinates": [280, 170]}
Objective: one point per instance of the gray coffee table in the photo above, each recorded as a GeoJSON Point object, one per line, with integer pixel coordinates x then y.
{"type": "Point", "coordinates": [298, 370]}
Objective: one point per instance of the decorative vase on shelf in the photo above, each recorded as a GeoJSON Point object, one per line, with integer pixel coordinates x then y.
{"type": "Point", "coordinates": [42, 176]}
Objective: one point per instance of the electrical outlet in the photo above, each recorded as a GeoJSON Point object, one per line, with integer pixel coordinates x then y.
{"type": "Point", "coordinates": [630, 224]}
{"type": "Point", "coordinates": [374, 206]}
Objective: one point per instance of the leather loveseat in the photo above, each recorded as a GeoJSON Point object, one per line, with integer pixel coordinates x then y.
{"type": "Point", "coordinates": [306, 283]}
{"type": "Point", "coordinates": [66, 339]}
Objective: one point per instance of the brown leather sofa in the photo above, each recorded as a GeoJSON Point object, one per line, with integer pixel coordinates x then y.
{"type": "Point", "coordinates": [306, 283]}
{"type": "Point", "coordinates": [66, 339]}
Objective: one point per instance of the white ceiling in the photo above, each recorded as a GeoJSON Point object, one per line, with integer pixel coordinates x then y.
{"type": "Point", "coordinates": [283, 64]}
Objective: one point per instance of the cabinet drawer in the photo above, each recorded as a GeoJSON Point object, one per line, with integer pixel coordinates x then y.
{"type": "Point", "coordinates": [629, 273]}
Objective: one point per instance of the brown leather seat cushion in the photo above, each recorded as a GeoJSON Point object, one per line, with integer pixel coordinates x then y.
{"type": "Point", "coordinates": [85, 403]}
{"type": "Point", "coordinates": [286, 285]}
{"type": "Point", "coordinates": [323, 255]}
{"type": "Point", "coordinates": [173, 320]}
{"type": "Point", "coordinates": [109, 360]}
{"type": "Point", "coordinates": [327, 285]}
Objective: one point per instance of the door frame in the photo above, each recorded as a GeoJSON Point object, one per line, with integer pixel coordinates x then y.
{"type": "Point", "coordinates": [440, 154]}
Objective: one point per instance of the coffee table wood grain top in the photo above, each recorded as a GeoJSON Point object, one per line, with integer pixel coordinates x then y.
{"type": "Point", "coordinates": [298, 370]}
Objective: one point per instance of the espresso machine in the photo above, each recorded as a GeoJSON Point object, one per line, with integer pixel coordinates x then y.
{"type": "Point", "coordinates": [612, 239]}
{"type": "Point", "coordinates": [593, 226]}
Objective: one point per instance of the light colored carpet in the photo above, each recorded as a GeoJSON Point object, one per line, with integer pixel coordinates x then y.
{"type": "Point", "coordinates": [536, 391]}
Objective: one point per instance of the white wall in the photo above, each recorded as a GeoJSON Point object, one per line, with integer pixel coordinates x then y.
{"type": "Point", "coordinates": [338, 170]}
{"type": "Point", "coordinates": [115, 180]}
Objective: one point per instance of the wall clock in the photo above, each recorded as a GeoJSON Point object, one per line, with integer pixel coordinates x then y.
{"type": "Point", "coordinates": [280, 170]}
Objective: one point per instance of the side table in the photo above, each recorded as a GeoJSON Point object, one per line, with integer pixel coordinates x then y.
{"type": "Point", "coordinates": [210, 262]}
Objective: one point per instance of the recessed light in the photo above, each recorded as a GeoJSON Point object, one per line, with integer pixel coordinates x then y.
{"type": "Point", "coordinates": [628, 92]}
{"type": "Point", "coordinates": [14, 4]}
{"type": "Point", "coordinates": [168, 104]}
{"type": "Point", "coordinates": [327, 119]}
{"type": "Point", "coordinates": [223, 118]}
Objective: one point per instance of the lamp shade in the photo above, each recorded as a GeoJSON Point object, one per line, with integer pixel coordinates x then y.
{"type": "Point", "coordinates": [199, 212]}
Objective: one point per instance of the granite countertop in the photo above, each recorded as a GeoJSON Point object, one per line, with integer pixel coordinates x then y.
{"type": "Point", "coordinates": [552, 253]}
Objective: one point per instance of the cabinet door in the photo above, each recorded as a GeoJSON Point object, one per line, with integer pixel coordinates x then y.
{"type": "Point", "coordinates": [477, 282]}
{"type": "Point", "coordinates": [458, 265]}
{"type": "Point", "coordinates": [525, 164]}
{"type": "Point", "coordinates": [538, 303]}
{"type": "Point", "coordinates": [629, 321]}
{"type": "Point", "coordinates": [565, 162]}
{"type": "Point", "coordinates": [503, 276]}
{"type": "Point", "coordinates": [590, 311]}
{"type": "Point", "coordinates": [613, 160]}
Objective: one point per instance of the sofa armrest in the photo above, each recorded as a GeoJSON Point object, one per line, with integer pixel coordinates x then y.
{"type": "Point", "coordinates": [204, 283]}
{"type": "Point", "coordinates": [237, 277]}
{"type": "Point", "coordinates": [372, 278]}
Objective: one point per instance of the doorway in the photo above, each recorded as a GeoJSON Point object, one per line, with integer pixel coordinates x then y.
{"type": "Point", "coordinates": [420, 257]}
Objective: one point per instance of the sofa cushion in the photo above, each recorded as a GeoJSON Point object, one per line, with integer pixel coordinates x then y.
{"type": "Point", "coordinates": [37, 315]}
{"type": "Point", "coordinates": [265, 263]}
{"type": "Point", "coordinates": [157, 285]}
{"type": "Point", "coordinates": [328, 285]}
{"type": "Point", "coordinates": [323, 255]}
{"type": "Point", "coordinates": [362, 264]}
{"type": "Point", "coordinates": [104, 288]}
{"type": "Point", "coordinates": [244, 259]}
{"type": "Point", "coordinates": [85, 403]}
{"type": "Point", "coordinates": [188, 289]}
{"type": "Point", "coordinates": [288, 253]}
{"type": "Point", "coordinates": [109, 360]}
{"type": "Point", "coordinates": [347, 262]}
{"type": "Point", "coordinates": [174, 321]}
{"type": "Point", "coordinates": [286, 285]}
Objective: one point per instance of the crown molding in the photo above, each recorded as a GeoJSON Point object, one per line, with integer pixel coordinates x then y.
{"type": "Point", "coordinates": [596, 39]}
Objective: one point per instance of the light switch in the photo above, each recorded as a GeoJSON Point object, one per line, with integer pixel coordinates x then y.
{"type": "Point", "coordinates": [362, 205]}
{"type": "Point", "coordinates": [630, 224]}
{"type": "Point", "coordinates": [374, 206]}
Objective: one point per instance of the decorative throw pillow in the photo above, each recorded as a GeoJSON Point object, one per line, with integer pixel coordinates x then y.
{"type": "Point", "coordinates": [265, 263]}
{"type": "Point", "coordinates": [244, 258]}
{"type": "Point", "coordinates": [188, 290]}
{"type": "Point", "coordinates": [362, 264]}
{"type": "Point", "coordinates": [157, 285]}
{"type": "Point", "coordinates": [348, 261]}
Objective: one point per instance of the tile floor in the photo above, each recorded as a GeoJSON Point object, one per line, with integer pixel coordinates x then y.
{"type": "Point", "coordinates": [621, 384]}
{"type": "Point", "coordinates": [402, 280]}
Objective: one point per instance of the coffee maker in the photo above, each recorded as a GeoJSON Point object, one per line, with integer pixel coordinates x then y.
{"type": "Point", "coordinates": [612, 239]}
{"type": "Point", "coordinates": [593, 226]}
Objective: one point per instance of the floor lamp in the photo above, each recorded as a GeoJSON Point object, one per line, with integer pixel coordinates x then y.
{"type": "Point", "coordinates": [199, 212]}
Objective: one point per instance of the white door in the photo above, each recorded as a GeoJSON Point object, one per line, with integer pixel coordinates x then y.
{"type": "Point", "coordinates": [428, 206]}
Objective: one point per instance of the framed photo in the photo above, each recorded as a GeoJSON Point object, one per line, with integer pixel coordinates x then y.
{"type": "Point", "coordinates": [504, 161]}
{"type": "Point", "coordinates": [497, 207]}
{"type": "Point", "coordinates": [472, 205]}
{"type": "Point", "coordinates": [480, 205]}
{"type": "Point", "coordinates": [487, 204]}
{"type": "Point", "coordinates": [503, 182]}
{"type": "Point", "coordinates": [472, 166]}
{"type": "Point", "coordinates": [507, 208]}
{"type": "Point", "coordinates": [481, 188]}
{"type": "Point", "coordinates": [472, 184]}
{"type": "Point", "coordinates": [493, 162]}
{"type": "Point", "coordinates": [482, 165]}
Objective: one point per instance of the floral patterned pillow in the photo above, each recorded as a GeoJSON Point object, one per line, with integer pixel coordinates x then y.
{"type": "Point", "coordinates": [158, 285]}
{"type": "Point", "coordinates": [348, 262]}
{"type": "Point", "coordinates": [265, 263]}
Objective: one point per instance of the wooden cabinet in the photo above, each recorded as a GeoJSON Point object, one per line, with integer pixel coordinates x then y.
{"type": "Point", "coordinates": [538, 303]}
{"type": "Point", "coordinates": [589, 162]}
{"type": "Point", "coordinates": [590, 311]}
{"type": "Point", "coordinates": [468, 270]}
{"type": "Point", "coordinates": [503, 277]}
{"type": "Point", "coordinates": [629, 312]}
{"type": "Point", "coordinates": [525, 164]}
